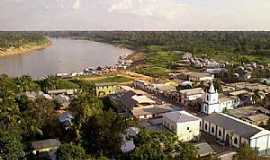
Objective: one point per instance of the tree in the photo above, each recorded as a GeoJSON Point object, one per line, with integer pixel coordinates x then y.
{"type": "Point", "coordinates": [11, 147]}
{"type": "Point", "coordinates": [37, 115]}
{"type": "Point", "coordinates": [25, 83]}
{"type": "Point", "coordinates": [71, 152]}
{"type": "Point", "coordinates": [85, 106]}
{"type": "Point", "coordinates": [154, 145]}
{"type": "Point", "coordinates": [9, 110]}
{"type": "Point", "coordinates": [87, 87]}
{"type": "Point", "coordinates": [187, 152]}
{"type": "Point", "coordinates": [246, 153]}
{"type": "Point", "coordinates": [102, 133]}
{"type": "Point", "coordinates": [53, 82]}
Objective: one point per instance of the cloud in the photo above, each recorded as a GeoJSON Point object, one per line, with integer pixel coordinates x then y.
{"type": "Point", "coordinates": [134, 15]}
{"type": "Point", "coordinates": [168, 9]}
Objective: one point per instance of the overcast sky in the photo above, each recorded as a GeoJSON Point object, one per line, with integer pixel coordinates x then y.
{"type": "Point", "coordinates": [134, 14]}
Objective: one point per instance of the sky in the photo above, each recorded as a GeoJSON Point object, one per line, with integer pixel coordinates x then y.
{"type": "Point", "coordinates": [134, 14]}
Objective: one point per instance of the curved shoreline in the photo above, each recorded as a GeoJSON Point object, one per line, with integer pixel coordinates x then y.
{"type": "Point", "coordinates": [27, 49]}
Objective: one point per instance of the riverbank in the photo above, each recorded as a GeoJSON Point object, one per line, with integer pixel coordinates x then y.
{"type": "Point", "coordinates": [26, 49]}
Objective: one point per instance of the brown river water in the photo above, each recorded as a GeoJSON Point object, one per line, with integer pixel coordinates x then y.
{"type": "Point", "coordinates": [63, 56]}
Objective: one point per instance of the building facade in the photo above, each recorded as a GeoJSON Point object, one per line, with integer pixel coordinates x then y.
{"type": "Point", "coordinates": [189, 95]}
{"type": "Point", "coordinates": [103, 89]}
{"type": "Point", "coordinates": [183, 124]}
{"type": "Point", "coordinates": [235, 132]}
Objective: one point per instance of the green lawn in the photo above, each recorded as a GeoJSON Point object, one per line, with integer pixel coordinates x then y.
{"type": "Point", "coordinates": [153, 71]}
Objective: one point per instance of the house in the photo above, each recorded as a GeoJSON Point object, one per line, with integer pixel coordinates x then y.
{"type": "Point", "coordinates": [129, 98]}
{"type": "Point", "coordinates": [44, 147]}
{"type": "Point", "coordinates": [62, 91]}
{"type": "Point", "coordinates": [204, 149]}
{"type": "Point", "coordinates": [33, 95]}
{"type": "Point", "coordinates": [103, 89]}
{"type": "Point", "coordinates": [216, 70]}
{"type": "Point", "coordinates": [140, 84]}
{"type": "Point", "coordinates": [228, 102]}
{"type": "Point", "coordinates": [235, 132]}
{"type": "Point", "coordinates": [132, 131]}
{"type": "Point", "coordinates": [164, 90]}
{"type": "Point", "coordinates": [151, 111]}
{"type": "Point", "coordinates": [127, 146]}
{"type": "Point", "coordinates": [188, 75]}
{"type": "Point", "coordinates": [142, 100]}
{"type": "Point", "coordinates": [62, 100]}
{"type": "Point", "coordinates": [128, 142]}
{"type": "Point", "coordinates": [187, 55]}
{"type": "Point", "coordinates": [199, 76]}
{"type": "Point", "coordinates": [246, 97]}
{"type": "Point", "coordinates": [212, 102]}
{"type": "Point", "coordinates": [252, 114]}
{"type": "Point", "coordinates": [252, 87]}
{"type": "Point", "coordinates": [183, 124]}
{"type": "Point", "coordinates": [47, 96]}
{"type": "Point", "coordinates": [66, 120]}
{"type": "Point", "coordinates": [189, 95]}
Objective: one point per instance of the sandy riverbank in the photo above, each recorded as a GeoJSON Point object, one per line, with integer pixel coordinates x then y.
{"type": "Point", "coordinates": [26, 49]}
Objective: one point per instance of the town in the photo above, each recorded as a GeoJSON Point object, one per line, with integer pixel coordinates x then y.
{"type": "Point", "coordinates": [193, 103]}
{"type": "Point", "coordinates": [134, 80]}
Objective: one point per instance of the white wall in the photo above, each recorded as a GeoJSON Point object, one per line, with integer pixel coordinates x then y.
{"type": "Point", "coordinates": [211, 108]}
{"type": "Point", "coordinates": [260, 141]}
{"type": "Point", "coordinates": [188, 130]}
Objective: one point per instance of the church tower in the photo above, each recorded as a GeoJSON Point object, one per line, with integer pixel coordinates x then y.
{"type": "Point", "coordinates": [211, 102]}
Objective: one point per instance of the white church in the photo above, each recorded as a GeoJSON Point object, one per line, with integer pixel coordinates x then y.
{"type": "Point", "coordinates": [213, 103]}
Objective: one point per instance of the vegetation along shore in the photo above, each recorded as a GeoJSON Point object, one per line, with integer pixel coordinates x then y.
{"type": "Point", "coordinates": [21, 43]}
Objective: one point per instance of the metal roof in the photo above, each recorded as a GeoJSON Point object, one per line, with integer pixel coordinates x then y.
{"type": "Point", "coordinates": [237, 126]}
{"type": "Point", "coordinates": [48, 143]}
{"type": "Point", "coordinates": [180, 116]}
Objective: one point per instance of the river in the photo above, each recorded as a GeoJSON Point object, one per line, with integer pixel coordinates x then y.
{"type": "Point", "coordinates": [63, 56]}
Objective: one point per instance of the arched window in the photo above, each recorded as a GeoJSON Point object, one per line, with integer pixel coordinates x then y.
{"type": "Point", "coordinates": [205, 126]}
{"type": "Point", "coordinates": [212, 129]}
{"type": "Point", "coordinates": [235, 141]}
{"type": "Point", "coordinates": [219, 133]}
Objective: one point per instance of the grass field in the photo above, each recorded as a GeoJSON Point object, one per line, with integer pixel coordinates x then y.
{"type": "Point", "coordinates": [108, 79]}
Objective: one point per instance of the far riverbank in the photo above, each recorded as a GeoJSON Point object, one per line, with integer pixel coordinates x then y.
{"type": "Point", "coordinates": [26, 49]}
{"type": "Point", "coordinates": [63, 56]}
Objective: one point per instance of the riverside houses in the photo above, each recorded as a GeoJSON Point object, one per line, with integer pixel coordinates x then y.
{"type": "Point", "coordinates": [183, 124]}
{"type": "Point", "coordinates": [234, 132]}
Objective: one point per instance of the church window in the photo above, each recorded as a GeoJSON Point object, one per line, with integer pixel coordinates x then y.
{"type": "Point", "coordinates": [219, 133]}
{"type": "Point", "coordinates": [235, 141]}
{"type": "Point", "coordinates": [213, 130]}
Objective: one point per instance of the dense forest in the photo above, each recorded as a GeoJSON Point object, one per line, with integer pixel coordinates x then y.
{"type": "Point", "coordinates": [20, 39]}
{"type": "Point", "coordinates": [222, 45]}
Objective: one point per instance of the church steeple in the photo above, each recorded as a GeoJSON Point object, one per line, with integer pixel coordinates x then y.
{"type": "Point", "coordinates": [211, 88]}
